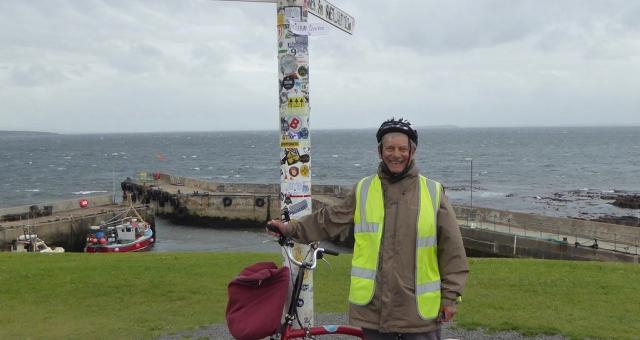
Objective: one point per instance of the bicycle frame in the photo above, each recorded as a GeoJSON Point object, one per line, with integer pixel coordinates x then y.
{"type": "Point", "coordinates": [287, 331]}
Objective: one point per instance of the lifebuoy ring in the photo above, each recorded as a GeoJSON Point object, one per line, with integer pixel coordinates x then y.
{"type": "Point", "coordinates": [227, 201]}
{"type": "Point", "coordinates": [259, 202]}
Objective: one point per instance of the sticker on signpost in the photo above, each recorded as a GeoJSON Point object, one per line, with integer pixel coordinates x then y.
{"type": "Point", "coordinates": [294, 127]}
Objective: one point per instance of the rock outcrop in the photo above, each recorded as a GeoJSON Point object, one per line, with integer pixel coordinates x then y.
{"type": "Point", "coordinates": [627, 201]}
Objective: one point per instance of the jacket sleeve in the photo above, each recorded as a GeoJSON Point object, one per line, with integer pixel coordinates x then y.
{"type": "Point", "coordinates": [452, 259]}
{"type": "Point", "coordinates": [330, 222]}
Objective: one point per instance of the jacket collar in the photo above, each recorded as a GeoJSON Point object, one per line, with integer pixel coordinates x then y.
{"type": "Point", "coordinates": [385, 174]}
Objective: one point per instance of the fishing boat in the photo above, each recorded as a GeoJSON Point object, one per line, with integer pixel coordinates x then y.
{"type": "Point", "coordinates": [121, 235]}
{"type": "Point", "coordinates": [29, 242]}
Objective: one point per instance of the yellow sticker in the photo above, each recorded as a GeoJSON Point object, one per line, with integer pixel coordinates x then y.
{"type": "Point", "coordinates": [296, 102]}
{"type": "Point", "coordinates": [304, 170]}
{"type": "Point", "coordinates": [289, 144]}
{"type": "Point", "coordinates": [293, 156]}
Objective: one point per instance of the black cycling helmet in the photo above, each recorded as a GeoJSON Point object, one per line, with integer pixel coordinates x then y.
{"type": "Point", "coordinates": [400, 125]}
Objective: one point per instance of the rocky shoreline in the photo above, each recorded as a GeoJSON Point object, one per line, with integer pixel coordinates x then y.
{"type": "Point", "coordinates": [627, 202]}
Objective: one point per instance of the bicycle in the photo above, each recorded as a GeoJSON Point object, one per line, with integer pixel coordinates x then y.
{"type": "Point", "coordinates": [286, 330]}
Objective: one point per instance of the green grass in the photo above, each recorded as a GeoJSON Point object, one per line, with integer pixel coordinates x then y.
{"type": "Point", "coordinates": [108, 296]}
{"type": "Point", "coordinates": [576, 299]}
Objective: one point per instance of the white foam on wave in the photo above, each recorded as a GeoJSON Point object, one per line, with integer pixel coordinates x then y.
{"type": "Point", "coordinates": [487, 194]}
{"type": "Point", "coordinates": [31, 190]}
{"type": "Point", "coordinates": [89, 192]}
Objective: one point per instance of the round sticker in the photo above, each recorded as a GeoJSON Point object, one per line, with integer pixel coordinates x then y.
{"type": "Point", "coordinates": [293, 171]}
{"type": "Point", "coordinates": [287, 64]}
{"type": "Point", "coordinates": [295, 123]}
{"type": "Point", "coordinates": [304, 170]}
{"type": "Point", "coordinates": [302, 71]}
{"type": "Point", "coordinates": [288, 82]}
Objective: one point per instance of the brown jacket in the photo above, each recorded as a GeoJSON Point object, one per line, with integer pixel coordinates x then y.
{"type": "Point", "coordinates": [393, 307]}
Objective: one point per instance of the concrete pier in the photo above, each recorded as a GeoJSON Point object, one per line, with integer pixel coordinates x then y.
{"type": "Point", "coordinates": [193, 201]}
{"type": "Point", "coordinates": [61, 223]}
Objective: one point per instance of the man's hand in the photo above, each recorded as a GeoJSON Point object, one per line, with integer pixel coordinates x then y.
{"type": "Point", "coordinates": [279, 225]}
{"type": "Point", "coordinates": [446, 313]}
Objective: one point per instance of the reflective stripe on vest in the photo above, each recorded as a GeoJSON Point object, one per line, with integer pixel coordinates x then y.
{"type": "Point", "coordinates": [369, 221]}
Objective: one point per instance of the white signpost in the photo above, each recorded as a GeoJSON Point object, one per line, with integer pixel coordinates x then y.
{"type": "Point", "coordinates": [293, 92]}
{"type": "Point", "coordinates": [332, 14]}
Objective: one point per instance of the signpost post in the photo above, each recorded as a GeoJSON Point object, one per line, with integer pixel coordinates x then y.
{"type": "Point", "coordinates": [293, 93]}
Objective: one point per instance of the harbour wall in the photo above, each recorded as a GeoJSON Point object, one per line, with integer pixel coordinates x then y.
{"type": "Point", "coordinates": [193, 201]}
{"type": "Point", "coordinates": [61, 223]}
{"type": "Point", "coordinates": [26, 212]}
{"type": "Point", "coordinates": [483, 242]}
{"type": "Point", "coordinates": [540, 224]}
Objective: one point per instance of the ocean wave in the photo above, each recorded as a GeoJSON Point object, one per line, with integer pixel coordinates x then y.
{"type": "Point", "coordinates": [486, 194]}
{"type": "Point", "coordinates": [30, 190]}
{"type": "Point", "coordinates": [89, 192]}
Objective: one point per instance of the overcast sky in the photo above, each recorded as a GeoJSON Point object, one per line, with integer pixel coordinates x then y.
{"type": "Point", "coordinates": [199, 65]}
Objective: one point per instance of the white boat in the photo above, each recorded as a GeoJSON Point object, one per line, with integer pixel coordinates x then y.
{"type": "Point", "coordinates": [32, 243]}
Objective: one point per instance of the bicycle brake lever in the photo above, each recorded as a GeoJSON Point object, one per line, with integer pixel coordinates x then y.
{"type": "Point", "coordinates": [329, 263]}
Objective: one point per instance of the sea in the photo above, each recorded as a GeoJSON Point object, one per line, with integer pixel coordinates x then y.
{"type": "Point", "coordinates": [556, 171]}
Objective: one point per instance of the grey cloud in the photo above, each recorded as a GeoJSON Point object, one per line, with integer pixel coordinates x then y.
{"type": "Point", "coordinates": [136, 58]}
{"type": "Point", "coordinates": [436, 27]}
{"type": "Point", "coordinates": [631, 17]}
{"type": "Point", "coordinates": [35, 75]}
{"type": "Point", "coordinates": [466, 63]}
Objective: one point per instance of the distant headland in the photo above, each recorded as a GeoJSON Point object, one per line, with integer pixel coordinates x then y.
{"type": "Point", "coordinates": [26, 133]}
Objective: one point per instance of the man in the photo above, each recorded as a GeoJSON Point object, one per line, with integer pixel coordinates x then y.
{"type": "Point", "coordinates": [409, 265]}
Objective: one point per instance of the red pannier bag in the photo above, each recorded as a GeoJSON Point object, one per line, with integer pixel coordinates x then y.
{"type": "Point", "coordinates": [256, 301]}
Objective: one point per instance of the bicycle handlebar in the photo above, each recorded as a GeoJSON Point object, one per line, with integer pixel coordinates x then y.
{"type": "Point", "coordinates": [287, 243]}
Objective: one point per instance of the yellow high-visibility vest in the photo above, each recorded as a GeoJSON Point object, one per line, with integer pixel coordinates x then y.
{"type": "Point", "coordinates": [369, 222]}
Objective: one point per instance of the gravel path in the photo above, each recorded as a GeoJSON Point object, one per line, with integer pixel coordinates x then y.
{"type": "Point", "coordinates": [220, 332]}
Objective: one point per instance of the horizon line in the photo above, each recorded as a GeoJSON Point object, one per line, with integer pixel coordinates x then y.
{"type": "Point", "coordinates": [443, 126]}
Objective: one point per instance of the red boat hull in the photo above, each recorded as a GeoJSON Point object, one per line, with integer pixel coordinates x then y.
{"type": "Point", "coordinates": [141, 244]}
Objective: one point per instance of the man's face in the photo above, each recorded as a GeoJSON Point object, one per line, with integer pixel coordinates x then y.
{"type": "Point", "coordinates": [396, 151]}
